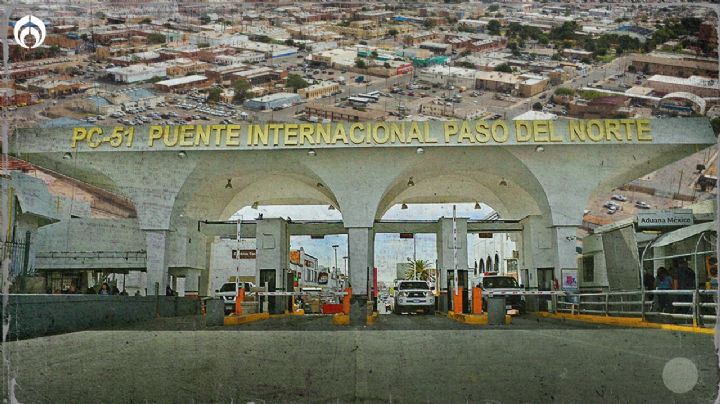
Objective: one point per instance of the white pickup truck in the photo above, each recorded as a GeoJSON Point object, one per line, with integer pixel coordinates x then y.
{"type": "Point", "coordinates": [412, 296]}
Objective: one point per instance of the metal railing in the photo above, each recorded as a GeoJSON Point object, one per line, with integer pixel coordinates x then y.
{"type": "Point", "coordinates": [18, 255]}
{"type": "Point", "coordinates": [696, 307]}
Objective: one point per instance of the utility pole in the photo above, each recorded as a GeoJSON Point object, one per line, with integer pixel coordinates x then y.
{"type": "Point", "coordinates": [335, 247]}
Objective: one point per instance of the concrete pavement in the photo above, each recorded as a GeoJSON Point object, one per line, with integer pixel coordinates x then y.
{"type": "Point", "coordinates": [404, 359]}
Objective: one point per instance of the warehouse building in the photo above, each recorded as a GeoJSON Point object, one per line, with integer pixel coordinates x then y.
{"type": "Point", "coordinates": [272, 101]}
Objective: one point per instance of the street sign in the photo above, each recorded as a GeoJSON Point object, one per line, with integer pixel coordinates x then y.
{"type": "Point", "coordinates": [665, 218]}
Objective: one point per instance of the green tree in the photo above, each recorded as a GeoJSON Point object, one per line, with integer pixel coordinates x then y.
{"type": "Point", "coordinates": [467, 65]}
{"type": "Point", "coordinates": [295, 81]}
{"type": "Point", "coordinates": [420, 269]}
{"type": "Point", "coordinates": [505, 68]}
{"type": "Point", "coordinates": [289, 42]}
{"type": "Point", "coordinates": [537, 106]}
{"type": "Point", "coordinates": [203, 45]}
{"type": "Point", "coordinates": [205, 19]}
{"type": "Point", "coordinates": [386, 65]}
{"type": "Point", "coordinates": [393, 32]}
{"type": "Point", "coordinates": [428, 23]}
{"type": "Point", "coordinates": [360, 64]}
{"type": "Point", "coordinates": [493, 27]}
{"type": "Point", "coordinates": [241, 88]}
{"type": "Point", "coordinates": [146, 20]}
{"type": "Point", "coordinates": [564, 91]}
{"type": "Point", "coordinates": [214, 94]}
{"type": "Point", "coordinates": [156, 38]}
{"type": "Point", "coordinates": [493, 8]}
{"type": "Point", "coordinates": [262, 38]}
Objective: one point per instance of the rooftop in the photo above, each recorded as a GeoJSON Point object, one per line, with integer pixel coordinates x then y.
{"type": "Point", "coordinates": [182, 80]}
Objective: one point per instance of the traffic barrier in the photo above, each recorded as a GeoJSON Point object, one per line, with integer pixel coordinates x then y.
{"type": "Point", "coordinates": [239, 299]}
{"type": "Point", "coordinates": [475, 319]}
{"type": "Point", "coordinates": [346, 301]}
{"type": "Point", "coordinates": [634, 322]}
{"type": "Point", "coordinates": [477, 301]}
{"type": "Point", "coordinates": [341, 319]}
{"type": "Point", "coordinates": [372, 318]}
{"type": "Point", "coordinates": [458, 300]}
{"type": "Point", "coordinates": [244, 319]}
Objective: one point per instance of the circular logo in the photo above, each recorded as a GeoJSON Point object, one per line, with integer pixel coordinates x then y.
{"type": "Point", "coordinates": [32, 26]}
{"type": "Point", "coordinates": [680, 375]}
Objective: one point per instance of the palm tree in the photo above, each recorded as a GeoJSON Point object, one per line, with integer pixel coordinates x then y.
{"type": "Point", "coordinates": [420, 269]}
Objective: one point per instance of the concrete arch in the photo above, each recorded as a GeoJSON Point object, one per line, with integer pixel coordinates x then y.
{"type": "Point", "coordinates": [204, 194]}
{"type": "Point", "coordinates": [498, 179]}
{"type": "Point", "coordinates": [287, 189]}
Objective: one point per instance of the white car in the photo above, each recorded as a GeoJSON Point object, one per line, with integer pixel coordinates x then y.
{"type": "Point", "coordinates": [413, 295]}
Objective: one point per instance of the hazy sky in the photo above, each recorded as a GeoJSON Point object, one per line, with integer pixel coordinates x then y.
{"type": "Point", "coordinates": [389, 248]}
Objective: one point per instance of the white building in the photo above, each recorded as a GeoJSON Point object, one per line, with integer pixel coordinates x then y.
{"type": "Point", "coordinates": [495, 254]}
{"type": "Point", "coordinates": [458, 76]}
{"type": "Point", "coordinates": [136, 73]}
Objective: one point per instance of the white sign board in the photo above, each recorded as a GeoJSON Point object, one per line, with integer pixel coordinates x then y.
{"type": "Point", "coordinates": [668, 218]}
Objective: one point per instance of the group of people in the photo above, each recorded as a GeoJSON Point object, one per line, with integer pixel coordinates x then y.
{"type": "Point", "coordinates": [679, 277]}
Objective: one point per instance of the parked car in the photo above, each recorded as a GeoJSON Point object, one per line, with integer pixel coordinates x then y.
{"type": "Point", "coordinates": [610, 204]}
{"type": "Point", "coordinates": [642, 205]}
{"type": "Point", "coordinates": [618, 198]}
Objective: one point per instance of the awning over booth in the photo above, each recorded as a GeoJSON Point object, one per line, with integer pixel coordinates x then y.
{"type": "Point", "coordinates": [684, 233]}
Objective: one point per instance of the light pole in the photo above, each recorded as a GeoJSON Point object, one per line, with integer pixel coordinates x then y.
{"type": "Point", "coordinates": [345, 258]}
{"type": "Point", "coordinates": [335, 247]}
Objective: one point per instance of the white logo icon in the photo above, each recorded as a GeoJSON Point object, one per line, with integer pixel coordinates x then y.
{"type": "Point", "coordinates": [29, 25]}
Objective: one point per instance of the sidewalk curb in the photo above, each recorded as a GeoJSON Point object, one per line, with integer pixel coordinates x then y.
{"type": "Point", "coordinates": [625, 321]}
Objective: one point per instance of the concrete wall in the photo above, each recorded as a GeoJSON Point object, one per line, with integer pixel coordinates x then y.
{"type": "Point", "coordinates": [222, 266]}
{"type": "Point", "coordinates": [36, 316]}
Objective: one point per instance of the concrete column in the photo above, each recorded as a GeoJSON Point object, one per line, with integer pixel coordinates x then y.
{"type": "Point", "coordinates": [192, 282]}
{"type": "Point", "coordinates": [565, 248]}
{"type": "Point", "coordinates": [446, 253]}
{"type": "Point", "coordinates": [361, 253]}
{"type": "Point", "coordinates": [204, 287]}
{"type": "Point", "coordinates": [156, 242]}
{"type": "Point", "coordinates": [273, 253]}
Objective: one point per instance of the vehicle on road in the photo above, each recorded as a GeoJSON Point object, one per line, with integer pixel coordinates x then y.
{"type": "Point", "coordinates": [228, 291]}
{"type": "Point", "coordinates": [412, 296]}
{"type": "Point", "coordinates": [491, 282]}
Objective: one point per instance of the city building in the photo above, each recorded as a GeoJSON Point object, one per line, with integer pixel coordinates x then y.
{"type": "Point", "coordinates": [272, 101]}
{"type": "Point", "coordinates": [700, 86]}
{"type": "Point", "coordinates": [10, 97]}
{"type": "Point", "coordinates": [340, 114]}
{"type": "Point", "coordinates": [319, 90]}
{"type": "Point", "coordinates": [136, 73]}
{"type": "Point", "coordinates": [185, 83]}
{"type": "Point", "coordinates": [672, 64]}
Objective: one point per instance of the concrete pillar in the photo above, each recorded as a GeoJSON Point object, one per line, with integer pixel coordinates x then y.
{"type": "Point", "coordinates": [192, 282]}
{"type": "Point", "coordinates": [273, 253]}
{"type": "Point", "coordinates": [156, 242]}
{"type": "Point", "coordinates": [446, 253]}
{"type": "Point", "coordinates": [205, 281]}
{"type": "Point", "coordinates": [361, 253]}
{"type": "Point", "coordinates": [565, 249]}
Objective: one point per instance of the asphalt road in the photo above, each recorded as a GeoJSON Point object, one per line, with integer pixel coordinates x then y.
{"type": "Point", "coordinates": [406, 359]}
